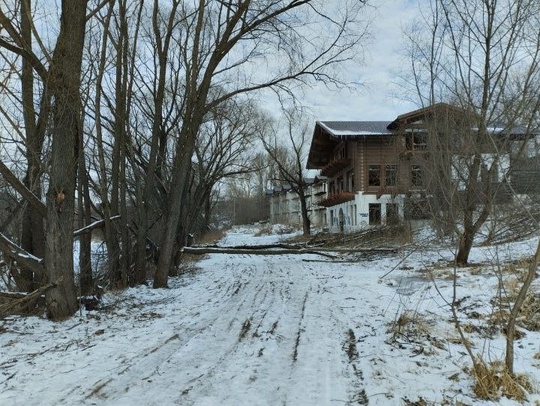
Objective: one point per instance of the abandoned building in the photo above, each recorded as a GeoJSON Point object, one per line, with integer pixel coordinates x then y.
{"type": "Point", "coordinates": [381, 172]}
{"type": "Point", "coordinates": [285, 205]}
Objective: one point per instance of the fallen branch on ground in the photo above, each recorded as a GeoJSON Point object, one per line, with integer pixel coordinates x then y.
{"type": "Point", "coordinates": [250, 251]}
{"type": "Point", "coordinates": [24, 303]}
{"type": "Point", "coordinates": [279, 250]}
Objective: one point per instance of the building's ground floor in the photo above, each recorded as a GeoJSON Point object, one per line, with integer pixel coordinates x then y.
{"type": "Point", "coordinates": [364, 211]}
{"type": "Point", "coordinates": [361, 212]}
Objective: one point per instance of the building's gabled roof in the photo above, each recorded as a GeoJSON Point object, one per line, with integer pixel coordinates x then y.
{"type": "Point", "coordinates": [328, 134]}
{"type": "Point", "coordinates": [440, 109]}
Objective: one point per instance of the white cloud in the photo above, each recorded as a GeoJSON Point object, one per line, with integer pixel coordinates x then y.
{"type": "Point", "coordinates": [375, 99]}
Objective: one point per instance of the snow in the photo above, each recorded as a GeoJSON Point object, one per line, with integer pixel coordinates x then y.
{"type": "Point", "coordinates": [269, 330]}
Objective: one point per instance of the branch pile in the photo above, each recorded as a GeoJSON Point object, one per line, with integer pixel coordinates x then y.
{"type": "Point", "coordinates": [19, 303]}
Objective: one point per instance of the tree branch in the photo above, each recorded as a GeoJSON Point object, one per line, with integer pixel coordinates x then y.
{"type": "Point", "coordinates": [23, 190]}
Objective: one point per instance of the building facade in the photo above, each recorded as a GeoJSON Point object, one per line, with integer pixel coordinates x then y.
{"type": "Point", "coordinates": [284, 203]}
{"type": "Point", "coordinates": [381, 172]}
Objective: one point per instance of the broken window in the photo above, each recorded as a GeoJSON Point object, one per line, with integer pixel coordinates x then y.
{"type": "Point", "coordinates": [391, 175]}
{"type": "Point", "coordinates": [417, 176]}
{"type": "Point", "coordinates": [350, 181]}
{"type": "Point", "coordinates": [419, 141]}
{"type": "Point", "coordinates": [416, 140]}
{"type": "Point", "coordinates": [374, 175]}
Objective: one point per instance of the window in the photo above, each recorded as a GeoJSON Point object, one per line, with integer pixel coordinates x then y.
{"type": "Point", "coordinates": [391, 175]}
{"type": "Point", "coordinates": [341, 185]}
{"type": "Point", "coordinates": [416, 140]}
{"type": "Point", "coordinates": [392, 214]}
{"type": "Point", "coordinates": [374, 213]}
{"type": "Point", "coordinates": [350, 181]}
{"type": "Point", "coordinates": [374, 175]}
{"type": "Point", "coordinates": [417, 176]}
{"type": "Point", "coordinates": [419, 141]}
{"type": "Point", "coordinates": [341, 153]}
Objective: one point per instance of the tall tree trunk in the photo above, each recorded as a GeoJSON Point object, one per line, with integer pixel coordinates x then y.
{"type": "Point", "coordinates": [178, 200]}
{"type": "Point", "coordinates": [465, 246]}
{"type": "Point", "coordinates": [121, 274]}
{"type": "Point", "coordinates": [156, 161]}
{"type": "Point", "coordinates": [472, 199]}
{"type": "Point", "coordinates": [110, 232]}
{"type": "Point", "coordinates": [306, 222]}
{"type": "Point", "coordinates": [125, 257]}
{"type": "Point", "coordinates": [86, 282]}
{"type": "Point", "coordinates": [33, 230]}
{"type": "Point", "coordinates": [65, 80]}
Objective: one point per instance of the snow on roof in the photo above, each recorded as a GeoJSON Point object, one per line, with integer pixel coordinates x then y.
{"type": "Point", "coordinates": [355, 128]}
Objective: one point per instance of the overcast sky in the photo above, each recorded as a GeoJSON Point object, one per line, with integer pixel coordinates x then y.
{"type": "Point", "coordinates": [376, 100]}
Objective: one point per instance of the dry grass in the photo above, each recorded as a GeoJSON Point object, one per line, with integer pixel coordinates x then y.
{"type": "Point", "coordinates": [493, 381]}
{"type": "Point", "coordinates": [211, 237]}
{"type": "Point", "coordinates": [459, 341]}
{"type": "Point", "coordinates": [375, 237]}
{"type": "Point", "coordinates": [511, 288]}
{"type": "Point", "coordinates": [409, 324]}
{"type": "Point", "coordinates": [529, 316]}
{"type": "Point", "coordinates": [513, 276]}
{"type": "Point", "coordinates": [498, 317]}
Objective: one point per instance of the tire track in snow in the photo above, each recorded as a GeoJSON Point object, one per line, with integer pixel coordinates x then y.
{"type": "Point", "coordinates": [148, 366]}
{"type": "Point", "coordinates": [265, 307]}
{"type": "Point", "coordinates": [253, 336]}
{"type": "Point", "coordinates": [145, 368]}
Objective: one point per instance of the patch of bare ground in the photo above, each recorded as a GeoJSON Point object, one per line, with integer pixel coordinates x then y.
{"type": "Point", "coordinates": [359, 396]}
{"type": "Point", "coordinates": [211, 237]}
{"type": "Point", "coordinates": [244, 330]}
{"type": "Point", "coordinates": [350, 346]}
{"type": "Point", "coordinates": [300, 329]}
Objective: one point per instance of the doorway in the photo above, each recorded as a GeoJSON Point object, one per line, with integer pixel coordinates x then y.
{"type": "Point", "coordinates": [374, 214]}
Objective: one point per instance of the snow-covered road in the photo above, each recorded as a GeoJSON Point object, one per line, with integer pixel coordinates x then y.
{"type": "Point", "coordinates": [278, 332]}
{"type": "Point", "coordinates": [274, 333]}
{"type": "Point", "coordinates": [239, 330]}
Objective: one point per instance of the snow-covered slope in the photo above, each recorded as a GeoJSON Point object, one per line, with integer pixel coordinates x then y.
{"type": "Point", "coordinates": [265, 330]}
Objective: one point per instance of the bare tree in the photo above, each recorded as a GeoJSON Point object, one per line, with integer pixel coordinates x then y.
{"type": "Point", "coordinates": [33, 231]}
{"type": "Point", "coordinates": [288, 152]}
{"type": "Point", "coordinates": [470, 54]}
{"type": "Point", "coordinates": [224, 149]}
{"type": "Point", "coordinates": [213, 55]}
{"type": "Point", "coordinates": [483, 57]}
{"type": "Point", "coordinates": [61, 109]}
{"type": "Point", "coordinates": [31, 134]}
{"type": "Point", "coordinates": [64, 84]}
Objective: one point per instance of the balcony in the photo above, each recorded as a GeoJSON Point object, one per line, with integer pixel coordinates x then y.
{"type": "Point", "coordinates": [337, 198]}
{"type": "Point", "coordinates": [335, 166]}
